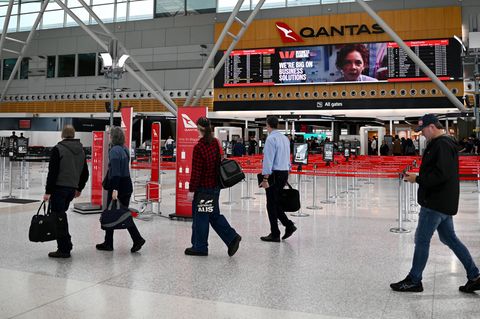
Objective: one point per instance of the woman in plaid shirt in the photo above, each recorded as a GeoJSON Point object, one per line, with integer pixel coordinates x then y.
{"type": "Point", "coordinates": [204, 191]}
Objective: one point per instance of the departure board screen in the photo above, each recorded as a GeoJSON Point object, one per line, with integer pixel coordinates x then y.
{"type": "Point", "coordinates": [340, 63]}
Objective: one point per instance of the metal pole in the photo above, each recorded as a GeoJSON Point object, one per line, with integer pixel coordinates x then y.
{"type": "Point", "coordinates": [327, 191]}
{"type": "Point", "coordinates": [25, 47]}
{"type": "Point", "coordinates": [5, 25]}
{"type": "Point", "coordinates": [165, 98]}
{"type": "Point", "coordinates": [232, 18]}
{"type": "Point", "coordinates": [299, 213]}
{"type": "Point", "coordinates": [226, 54]}
{"type": "Point", "coordinates": [112, 83]}
{"type": "Point", "coordinates": [230, 201]}
{"type": "Point", "coordinates": [314, 194]}
{"type": "Point", "coordinates": [248, 196]}
{"type": "Point", "coordinates": [400, 228]}
{"type": "Point", "coordinates": [105, 47]}
{"type": "Point", "coordinates": [455, 101]}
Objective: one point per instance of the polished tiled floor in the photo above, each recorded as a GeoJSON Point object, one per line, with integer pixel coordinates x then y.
{"type": "Point", "coordinates": [338, 265]}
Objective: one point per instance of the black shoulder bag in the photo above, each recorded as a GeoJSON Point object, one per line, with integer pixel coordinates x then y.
{"type": "Point", "coordinates": [290, 199]}
{"type": "Point", "coordinates": [42, 227]}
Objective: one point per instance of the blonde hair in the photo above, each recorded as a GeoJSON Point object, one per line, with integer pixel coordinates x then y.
{"type": "Point", "coordinates": [68, 131]}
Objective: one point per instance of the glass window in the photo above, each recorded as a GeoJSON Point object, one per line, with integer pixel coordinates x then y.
{"type": "Point", "coordinates": [104, 12]}
{"type": "Point", "coordinates": [30, 6]}
{"type": "Point", "coordinates": [4, 8]}
{"type": "Point", "coordinates": [141, 10]}
{"type": "Point", "coordinates": [66, 65]}
{"type": "Point", "coordinates": [75, 3]}
{"type": "Point", "coordinates": [121, 12]}
{"type": "Point", "coordinates": [81, 13]}
{"type": "Point", "coordinates": [169, 8]}
{"type": "Point", "coordinates": [228, 5]}
{"type": "Point", "coordinates": [53, 6]}
{"type": "Point", "coordinates": [53, 19]}
{"type": "Point", "coordinates": [12, 24]}
{"type": "Point", "coordinates": [27, 21]}
{"type": "Point", "coordinates": [294, 3]}
{"type": "Point", "coordinates": [86, 64]}
{"type": "Point", "coordinates": [24, 68]}
{"type": "Point", "coordinates": [270, 4]}
{"type": "Point", "coordinates": [95, 2]}
{"type": "Point", "coordinates": [51, 66]}
{"type": "Point", "coordinates": [8, 65]}
{"type": "Point", "coordinates": [201, 6]}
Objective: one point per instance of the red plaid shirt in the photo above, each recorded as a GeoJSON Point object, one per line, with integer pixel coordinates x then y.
{"type": "Point", "coordinates": [205, 164]}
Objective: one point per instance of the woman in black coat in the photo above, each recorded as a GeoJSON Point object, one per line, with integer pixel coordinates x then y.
{"type": "Point", "coordinates": [119, 187]}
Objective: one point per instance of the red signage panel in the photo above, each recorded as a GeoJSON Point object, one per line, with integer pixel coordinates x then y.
{"type": "Point", "coordinates": [97, 168]}
{"type": "Point", "coordinates": [153, 188]}
{"type": "Point", "coordinates": [187, 137]}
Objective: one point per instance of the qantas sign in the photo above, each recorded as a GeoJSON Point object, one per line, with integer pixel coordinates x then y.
{"type": "Point", "coordinates": [288, 35]}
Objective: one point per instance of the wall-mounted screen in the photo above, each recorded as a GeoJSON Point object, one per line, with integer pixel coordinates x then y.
{"type": "Point", "coordinates": [339, 63]}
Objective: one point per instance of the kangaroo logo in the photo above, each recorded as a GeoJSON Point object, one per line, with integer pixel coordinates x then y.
{"type": "Point", "coordinates": [187, 122]}
{"type": "Point", "coordinates": [287, 34]}
{"type": "Point", "coordinates": [205, 206]}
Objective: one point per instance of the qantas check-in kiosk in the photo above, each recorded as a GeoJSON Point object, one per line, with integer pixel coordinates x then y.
{"type": "Point", "coordinates": [100, 148]}
{"type": "Point", "coordinates": [328, 153]}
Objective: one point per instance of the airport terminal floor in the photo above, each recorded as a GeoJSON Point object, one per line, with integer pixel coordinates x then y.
{"type": "Point", "coordinates": [339, 263]}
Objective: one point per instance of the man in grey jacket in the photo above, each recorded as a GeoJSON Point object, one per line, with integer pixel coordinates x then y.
{"type": "Point", "coordinates": [67, 176]}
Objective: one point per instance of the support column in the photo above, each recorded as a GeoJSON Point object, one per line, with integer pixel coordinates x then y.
{"type": "Point", "coordinates": [246, 132]}
{"type": "Point", "coordinates": [391, 128]}
{"type": "Point", "coordinates": [446, 127]}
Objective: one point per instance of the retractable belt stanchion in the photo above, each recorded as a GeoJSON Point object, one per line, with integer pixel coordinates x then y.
{"type": "Point", "coordinates": [336, 185]}
{"type": "Point", "coordinates": [10, 186]}
{"type": "Point", "coordinates": [314, 194]}
{"type": "Point", "coordinates": [327, 190]}
{"type": "Point", "coordinates": [400, 228]}
{"type": "Point", "coordinates": [299, 213]}
{"type": "Point", "coordinates": [247, 180]}
{"type": "Point", "coordinates": [230, 201]}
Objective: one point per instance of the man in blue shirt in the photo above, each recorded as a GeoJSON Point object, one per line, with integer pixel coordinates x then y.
{"type": "Point", "coordinates": [276, 165]}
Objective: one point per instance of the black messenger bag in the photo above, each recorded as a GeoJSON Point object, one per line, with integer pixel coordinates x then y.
{"type": "Point", "coordinates": [290, 199]}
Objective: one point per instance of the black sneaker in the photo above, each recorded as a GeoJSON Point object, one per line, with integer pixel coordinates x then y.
{"type": "Point", "coordinates": [270, 238]}
{"type": "Point", "coordinates": [191, 252]}
{"type": "Point", "coordinates": [104, 247]}
{"type": "Point", "coordinates": [289, 231]}
{"type": "Point", "coordinates": [137, 246]}
{"type": "Point", "coordinates": [407, 285]}
{"type": "Point", "coordinates": [471, 286]}
{"type": "Point", "coordinates": [58, 254]}
{"type": "Point", "coordinates": [233, 247]}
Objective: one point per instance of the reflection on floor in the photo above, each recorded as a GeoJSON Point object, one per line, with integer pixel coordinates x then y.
{"type": "Point", "coordinates": [338, 265]}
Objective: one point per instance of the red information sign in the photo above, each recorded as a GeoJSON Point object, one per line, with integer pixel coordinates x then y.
{"type": "Point", "coordinates": [97, 168]}
{"type": "Point", "coordinates": [187, 137]}
{"type": "Point", "coordinates": [153, 188]}
{"type": "Point", "coordinates": [127, 120]}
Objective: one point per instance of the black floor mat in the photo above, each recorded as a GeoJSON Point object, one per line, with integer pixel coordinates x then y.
{"type": "Point", "coordinates": [18, 200]}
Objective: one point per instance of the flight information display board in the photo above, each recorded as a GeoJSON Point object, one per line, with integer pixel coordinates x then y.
{"type": "Point", "coordinates": [346, 63]}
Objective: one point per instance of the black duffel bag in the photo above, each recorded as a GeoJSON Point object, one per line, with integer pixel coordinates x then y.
{"type": "Point", "coordinates": [116, 216]}
{"type": "Point", "coordinates": [42, 227]}
{"type": "Point", "coordinates": [230, 173]}
{"type": "Point", "coordinates": [290, 199]}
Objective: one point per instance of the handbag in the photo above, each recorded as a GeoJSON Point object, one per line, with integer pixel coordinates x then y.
{"type": "Point", "coordinates": [229, 172]}
{"type": "Point", "coordinates": [289, 199]}
{"type": "Point", "coordinates": [205, 203]}
{"type": "Point", "coordinates": [42, 227]}
{"type": "Point", "coordinates": [116, 216]}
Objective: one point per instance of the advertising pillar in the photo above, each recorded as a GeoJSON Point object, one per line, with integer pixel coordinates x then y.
{"type": "Point", "coordinates": [153, 187]}
{"type": "Point", "coordinates": [187, 137]}
{"type": "Point", "coordinates": [127, 120]}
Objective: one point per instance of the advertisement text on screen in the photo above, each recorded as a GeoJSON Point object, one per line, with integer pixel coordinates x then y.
{"type": "Point", "coordinates": [286, 33]}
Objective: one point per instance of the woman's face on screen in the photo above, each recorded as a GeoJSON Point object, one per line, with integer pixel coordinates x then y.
{"type": "Point", "coordinates": [353, 66]}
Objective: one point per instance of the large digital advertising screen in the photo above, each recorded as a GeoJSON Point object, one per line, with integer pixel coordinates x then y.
{"type": "Point", "coordinates": [339, 63]}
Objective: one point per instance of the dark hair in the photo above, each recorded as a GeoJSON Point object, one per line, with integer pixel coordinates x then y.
{"type": "Point", "coordinates": [205, 126]}
{"type": "Point", "coordinates": [117, 136]}
{"type": "Point", "coordinates": [272, 121]}
{"type": "Point", "coordinates": [349, 48]}
{"type": "Point", "coordinates": [67, 132]}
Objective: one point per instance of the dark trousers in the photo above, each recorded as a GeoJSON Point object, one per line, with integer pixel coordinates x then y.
{"type": "Point", "coordinates": [201, 221]}
{"type": "Point", "coordinates": [133, 230]}
{"type": "Point", "coordinates": [59, 202]}
{"type": "Point", "coordinates": [275, 212]}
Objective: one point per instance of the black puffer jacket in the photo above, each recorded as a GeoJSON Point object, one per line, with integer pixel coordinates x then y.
{"type": "Point", "coordinates": [439, 184]}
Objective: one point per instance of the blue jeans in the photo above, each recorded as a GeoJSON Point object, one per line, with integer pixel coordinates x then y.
{"type": "Point", "coordinates": [429, 221]}
{"type": "Point", "coordinates": [200, 225]}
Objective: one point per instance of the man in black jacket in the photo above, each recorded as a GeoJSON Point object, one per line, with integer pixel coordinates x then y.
{"type": "Point", "coordinates": [67, 176]}
{"type": "Point", "coordinates": [438, 194]}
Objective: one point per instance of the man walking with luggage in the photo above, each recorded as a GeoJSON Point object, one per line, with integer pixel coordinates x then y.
{"type": "Point", "coordinates": [276, 165]}
{"type": "Point", "coordinates": [67, 176]}
{"type": "Point", "coordinates": [438, 196]}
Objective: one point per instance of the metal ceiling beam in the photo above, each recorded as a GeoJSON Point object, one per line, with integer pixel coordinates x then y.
{"type": "Point", "coordinates": [25, 47]}
{"type": "Point", "coordinates": [5, 26]}
{"type": "Point", "coordinates": [455, 101]}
